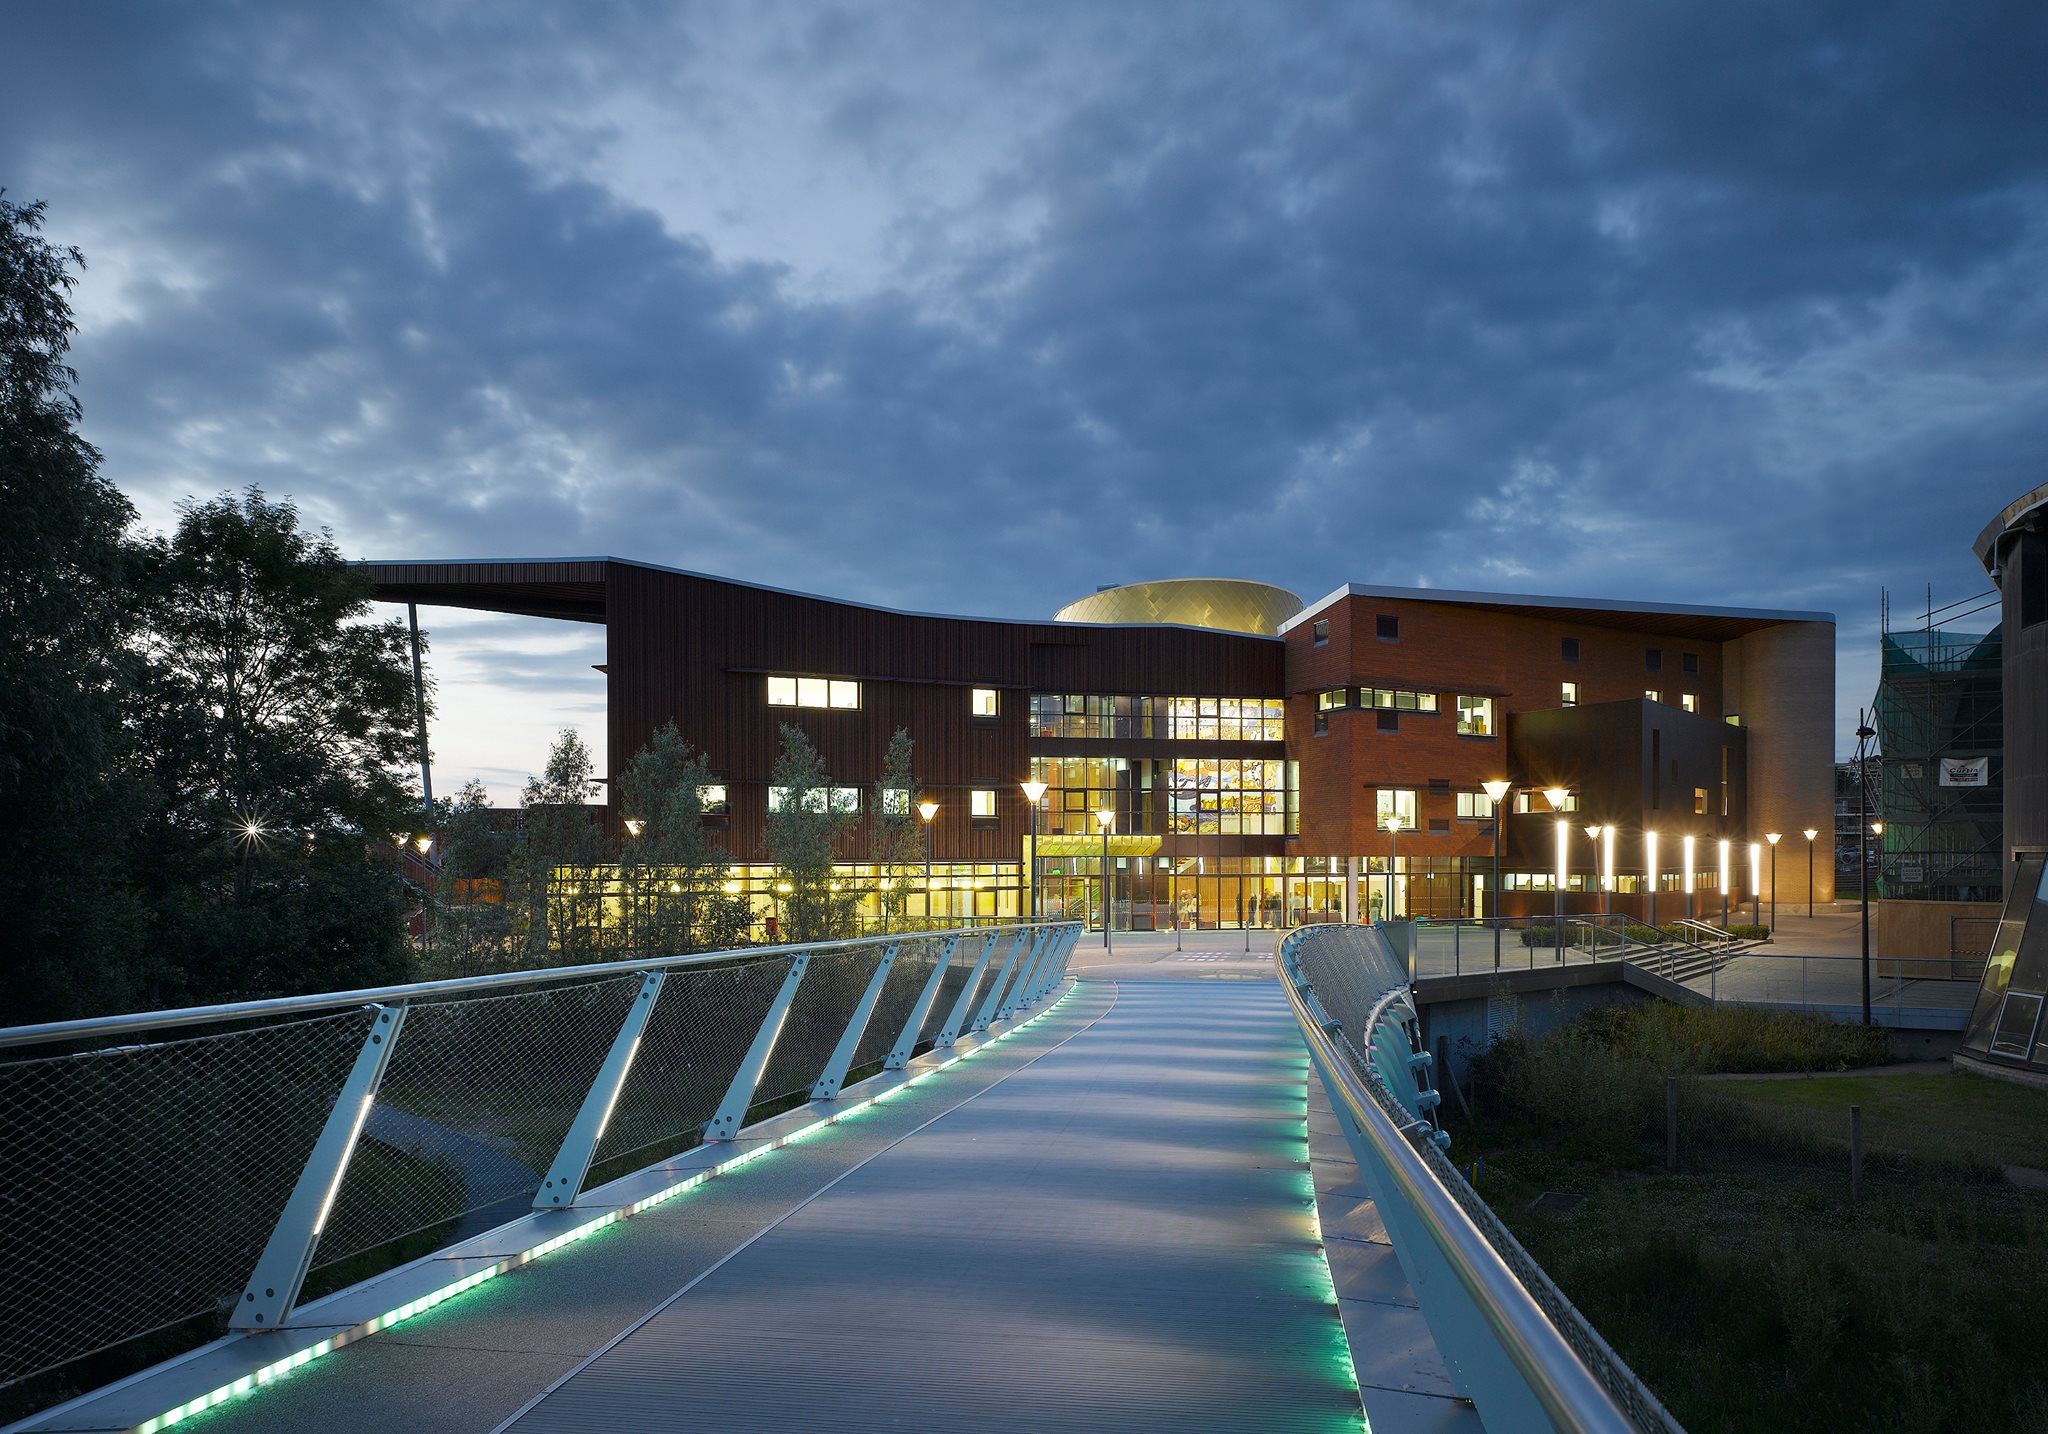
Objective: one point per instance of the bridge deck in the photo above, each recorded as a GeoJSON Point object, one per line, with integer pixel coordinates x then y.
{"type": "Point", "coordinates": [1102, 1222]}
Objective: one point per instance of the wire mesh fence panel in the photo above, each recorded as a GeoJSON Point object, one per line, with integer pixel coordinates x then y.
{"type": "Point", "coordinates": [914, 961]}
{"type": "Point", "coordinates": [949, 989]}
{"type": "Point", "coordinates": [474, 1105]}
{"type": "Point", "coordinates": [700, 1029]}
{"type": "Point", "coordinates": [831, 988]}
{"type": "Point", "coordinates": [138, 1184]}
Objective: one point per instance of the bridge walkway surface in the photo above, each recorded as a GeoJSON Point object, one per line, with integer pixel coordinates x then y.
{"type": "Point", "coordinates": [1103, 1221]}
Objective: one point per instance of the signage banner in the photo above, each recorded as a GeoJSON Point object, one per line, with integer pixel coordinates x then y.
{"type": "Point", "coordinates": [1965, 771]}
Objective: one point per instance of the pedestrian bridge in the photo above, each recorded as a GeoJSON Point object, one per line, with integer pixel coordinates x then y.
{"type": "Point", "coordinates": [909, 1182]}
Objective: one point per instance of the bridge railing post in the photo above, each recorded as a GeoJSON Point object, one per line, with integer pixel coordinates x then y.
{"type": "Point", "coordinates": [987, 1013]}
{"type": "Point", "coordinates": [834, 1075]}
{"type": "Point", "coordinates": [1020, 989]}
{"type": "Point", "coordinates": [564, 1180]}
{"type": "Point", "coordinates": [273, 1288]}
{"type": "Point", "coordinates": [1055, 964]}
{"type": "Point", "coordinates": [906, 1041]}
{"type": "Point", "coordinates": [732, 1111]}
{"type": "Point", "coordinates": [950, 1032]}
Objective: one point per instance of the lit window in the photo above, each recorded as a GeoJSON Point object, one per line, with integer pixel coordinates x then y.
{"type": "Point", "coordinates": [817, 799]}
{"type": "Point", "coordinates": [896, 802]}
{"type": "Point", "coordinates": [813, 692]}
{"type": "Point", "coordinates": [1538, 803]}
{"type": "Point", "coordinates": [981, 803]}
{"type": "Point", "coordinates": [1330, 701]}
{"type": "Point", "coordinates": [1395, 801]}
{"type": "Point", "coordinates": [1651, 694]}
{"type": "Point", "coordinates": [984, 702]}
{"type": "Point", "coordinates": [1475, 716]}
{"type": "Point", "coordinates": [1319, 633]}
{"type": "Point", "coordinates": [1734, 719]}
{"type": "Point", "coordinates": [1397, 699]}
{"type": "Point", "coordinates": [1568, 693]}
{"type": "Point", "coordinates": [1688, 701]}
{"type": "Point", "coordinates": [1474, 807]}
{"type": "Point", "coordinates": [1699, 801]}
{"type": "Point", "coordinates": [712, 801]}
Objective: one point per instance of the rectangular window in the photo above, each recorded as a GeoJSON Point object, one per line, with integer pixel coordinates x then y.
{"type": "Point", "coordinates": [1332, 700]}
{"type": "Point", "coordinates": [1653, 659]}
{"type": "Point", "coordinates": [1699, 801]}
{"type": "Point", "coordinates": [1734, 719]}
{"type": "Point", "coordinates": [1388, 629]}
{"type": "Point", "coordinates": [1439, 786]}
{"type": "Point", "coordinates": [1319, 633]}
{"type": "Point", "coordinates": [1568, 694]}
{"type": "Point", "coordinates": [1390, 721]}
{"type": "Point", "coordinates": [981, 803]}
{"type": "Point", "coordinates": [712, 801]}
{"type": "Point", "coordinates": [1475, 716]}
{"type": "Point", "coordinates": [1571, 649]}
{"type": "Point", "coordinates": [813, 692]}
{"type": "Point", "coordinates": [982, 702]}
{"type": "Point", "coordinates": [1690, 662]}
{"type": "Point", "coordinates": [1474, 807]}
{"type": "Point", "coordinates": [1397, 699]}
{"type": "Point", "coordinates": [1322, 724]}
{"type": "Point", "coordinates": [896, 802]}
{"type": "Point", "coordinates": [1395, 801]}
{"type": "Point", "coordinates": [1536, 804]}
{"type": "Point", "coordinates": [1689, 701]}
{"type": "Point", "coordinates": [818, 799]}
{"type": "Point", "coordinates": [1651, 694]}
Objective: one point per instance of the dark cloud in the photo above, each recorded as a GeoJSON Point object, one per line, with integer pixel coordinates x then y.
{"type": "Point", "coordinates": [973, 308]}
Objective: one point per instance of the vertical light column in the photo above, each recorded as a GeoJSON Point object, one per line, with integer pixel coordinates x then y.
{"type": "Point", "coordinates": [1691, 866]}
{"type": "Point", "coordinates": [1756, 882]}
{"type": "Point", "coordinates": [1725, 846]}
{"type": "Point", "coordinates": [1607, 860]}
{"type": "Point", "coordinates": [1650, 861]}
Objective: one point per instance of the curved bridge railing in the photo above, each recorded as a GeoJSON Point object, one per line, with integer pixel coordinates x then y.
{"type": "Point", "coordinates": [1517, 1347]}
{"type": "Point", "coordinates": [165, 1166]}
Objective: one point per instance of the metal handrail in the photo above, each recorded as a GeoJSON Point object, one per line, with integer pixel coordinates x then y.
{"type": "Point", "coordinates": [90, 1027]}
{"type": "Point", "coordinates": [1567, 1389]}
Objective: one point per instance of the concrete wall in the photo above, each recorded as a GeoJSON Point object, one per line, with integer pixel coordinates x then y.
{"type": "Point", "coordinates": [1781, 681]}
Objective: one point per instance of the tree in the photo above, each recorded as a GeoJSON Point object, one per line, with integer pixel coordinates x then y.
{"type": "Point", "coordinates": [563, 846]}
{"type": "Point", "coordinates": [805, 823]}
{"type": "Point", "coordinates": [472, 915]}
{"type": "Point", "coordinates": [672, 874]}
{"type": "Point", "coordinates": [897, 845]}
{"type": "Point", "coordinates": [68, 802]}
{"type": "Point", "coordinates": [277, 722]}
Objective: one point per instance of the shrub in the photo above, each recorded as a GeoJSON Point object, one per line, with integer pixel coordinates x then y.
{"type": "Point", "coordinates": [1748, 932]}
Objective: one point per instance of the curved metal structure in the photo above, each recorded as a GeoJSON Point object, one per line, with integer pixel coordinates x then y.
{"type": "Point", "coordinates": [1525, 1356]}
{"type": "Point", "coordinates": [1225, 604]}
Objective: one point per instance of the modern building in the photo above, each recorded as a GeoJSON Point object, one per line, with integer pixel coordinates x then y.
{"type": "Point", "coordinates": [1251, 749]}
{"type": "Point", "coordinates": [2006, 1027]}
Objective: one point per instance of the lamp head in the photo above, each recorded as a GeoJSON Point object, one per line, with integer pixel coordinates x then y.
{"type": "Point", "coordinates": [1593, 832]}
{"type": "Point", "coordinates": [633, 825]}
{"type": "Point", "coordinates": [1812, 832]}
{"type": "Point", "coordinates": [927, 810]}
{"type": "Point", "coordinates": [1391, 821]}
{"type": "Point", "coordinates": [424, 843]}
{"type": "Point", "coordinates": [1106, 819]}
{"type": "Point", "coordinates": [1774, 837]}
{"type": "Point", "coordinates": [1495, 789]}
{"type": "Point", "coordinates": [1033, 791]}
{"type": "Point", "coordinates": [1877, 828]}
{"type": "Point", "coordinates": [1557, 797]}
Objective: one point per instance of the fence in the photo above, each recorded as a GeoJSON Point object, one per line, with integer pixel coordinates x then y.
{"type": "Point", "coordinates": [166, 1166]}
{"type": "Point", "coordinates": [1524, 1355]}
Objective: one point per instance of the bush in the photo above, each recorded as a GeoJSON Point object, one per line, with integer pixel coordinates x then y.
{"type": "Point", "coordinates": [1539, 936]}
{"type": "Point", "coordinates": [1747, 932]}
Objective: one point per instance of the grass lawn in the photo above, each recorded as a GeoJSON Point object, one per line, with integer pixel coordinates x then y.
{"type": "Point", "coordinates": [1939, 1116]}
{"type": "Point", "coordinates": [1746, 1288]}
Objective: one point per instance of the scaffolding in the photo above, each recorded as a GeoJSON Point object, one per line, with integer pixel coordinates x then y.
{"type": "Point", "coordinates": [1940, 728]}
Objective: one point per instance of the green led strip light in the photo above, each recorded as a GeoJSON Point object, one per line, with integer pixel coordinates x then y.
{"type": "Point", "coordinates": [249, 1383]}
{"type": "Point", "coordinates": [1326, 1284]}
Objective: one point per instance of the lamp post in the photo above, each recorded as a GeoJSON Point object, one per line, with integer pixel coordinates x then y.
{"type": "Point", "coordinates": [1650, 861]}
{"type": "Point", "coordinates": [1034, 793]}
{"type": "Point", "coordinates": [1105, 819]}
{"type": "Point", "coordinates": [1392, 822]}
{"type": "Point", "coordinates": [1811, 833]}
{"type": "Point", "coordinates": [1724, 883]}
{"type": "Point", "coordinates": [928, 810]}
{"type": "Point", "coordinates": [1496, 792]}
{"type": "Point", "coordinates": [1557, 797]}
{"type": "Point", "coordinates": [1864, 732]}
{"type": "Point", "coordinates": [1774, 838]}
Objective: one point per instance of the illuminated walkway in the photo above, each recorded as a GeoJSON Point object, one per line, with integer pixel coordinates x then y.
{"type": "Point", "coordinates": [1100, 1222]}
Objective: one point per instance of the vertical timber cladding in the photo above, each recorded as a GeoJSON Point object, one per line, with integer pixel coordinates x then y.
{"type": "Point", "coordinates": [1782, 684]}
{"type": "Point", "coordinates": [697, 650]}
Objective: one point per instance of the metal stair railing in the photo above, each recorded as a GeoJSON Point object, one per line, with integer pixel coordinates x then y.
{"type": "Point", "coordinates": [1518, 1348]}
{"type": "Point", "coordinates": [165, 1165]}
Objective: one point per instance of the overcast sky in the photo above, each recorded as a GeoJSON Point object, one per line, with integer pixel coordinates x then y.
{"type": "Point", "coordinates": [971, 307]}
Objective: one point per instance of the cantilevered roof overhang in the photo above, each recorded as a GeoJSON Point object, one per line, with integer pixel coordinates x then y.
{"type": "Point", "coordinates": [1707, 624]}
{"type": "Point", "coordinates": [569, 588]}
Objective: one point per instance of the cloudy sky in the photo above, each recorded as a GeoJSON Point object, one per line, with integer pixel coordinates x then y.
{"type": "Point", "coordinates": [973, 307]}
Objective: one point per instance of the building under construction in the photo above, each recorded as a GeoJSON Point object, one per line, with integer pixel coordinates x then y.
{"type": "Point", "coordinates": [1940, 726]}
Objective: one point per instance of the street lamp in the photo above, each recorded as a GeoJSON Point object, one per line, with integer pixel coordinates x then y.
{"type": "Point", "coordinates": [928, 810]}
{"type": "Point", "coordinates": [1392, 822]}
{"type": "Point", "coordinates": [1864, 732]}
{"type": "Point", "coordinates": [1496, 792]}
{"type": "Point", "coordinates": [1725, 844]}
{"type": "Point", "coordinates": [1557, 797]}
{"type": "Point", "coordinates": [1774, 838]}
{"type": "Point", "coordinates": [1034, 792]}
{"type": "Point", "coordinates": [1756, 883]}
{"type": "Point", "coordinates": [1811, 833]}
{"type": "Point", "coordinates": [1650, 861]}
{"type": "Point", "coordinates": [1105, 819]}
{"type": "Point", "coordinates": [632, 825]}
